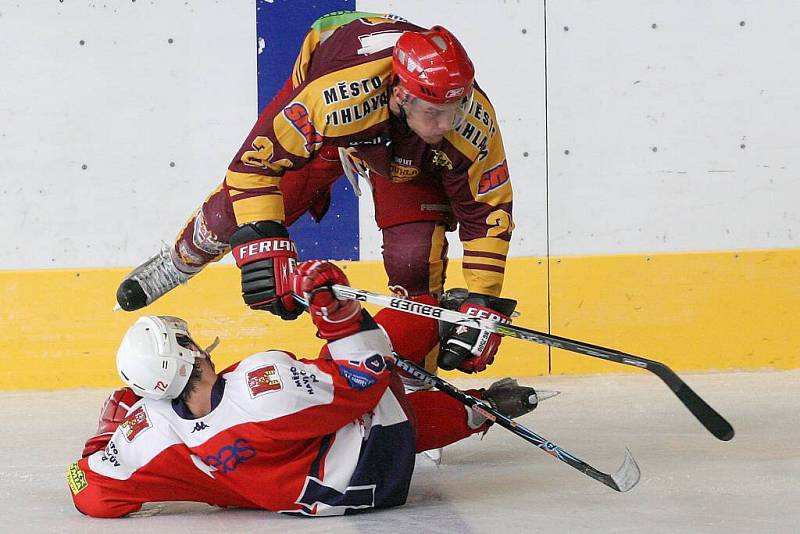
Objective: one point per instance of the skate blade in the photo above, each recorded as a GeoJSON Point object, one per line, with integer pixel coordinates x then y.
{"type": "Point", "coordinates": [543, 395]}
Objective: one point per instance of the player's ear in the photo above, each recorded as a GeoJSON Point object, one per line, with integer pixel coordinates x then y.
{"type": "Point", "coordinates": [400, 92]}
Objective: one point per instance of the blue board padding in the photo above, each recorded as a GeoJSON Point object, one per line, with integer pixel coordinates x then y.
{"type": "Point", "coordinates": [283, 25]}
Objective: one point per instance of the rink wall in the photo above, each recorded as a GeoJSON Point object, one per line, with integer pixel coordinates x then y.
{"type": "Point", "coordinates": [726, 310]}
{"type": "Point", "coordinates": [652, 148]}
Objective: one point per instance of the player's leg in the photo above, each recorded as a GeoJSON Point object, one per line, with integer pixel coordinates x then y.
{"type": "Point", "coordinates": [442, 420]}
{"type": "Point", "coordinates": [205, 237]}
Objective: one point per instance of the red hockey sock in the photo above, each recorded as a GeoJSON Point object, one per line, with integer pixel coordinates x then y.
{"type": "Point", "coordinates": [413, 337]}
{"type": "Point", "coordinates": [441, 420]}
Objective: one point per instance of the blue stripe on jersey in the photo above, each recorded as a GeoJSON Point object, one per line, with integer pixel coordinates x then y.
{"type": "Point", "coordinates": [283, 24]}
{"type": "Point", "coordinates": [380, 480]}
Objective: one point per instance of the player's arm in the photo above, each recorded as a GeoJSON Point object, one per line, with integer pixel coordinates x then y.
{"type": "Point", "coordinates": [484, 215]}
{"type": "Point", "coordinates": [143, 461]}
{"type": "Point", "coordinates": [356, 348]}
{"type": "Point", "coordinates": [285, 137]}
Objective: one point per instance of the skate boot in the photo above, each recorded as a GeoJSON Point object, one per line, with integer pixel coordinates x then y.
{"type": "Point", "coordinates": [152, 279]}
{"type": "Point", "coordinates": [510, 399]}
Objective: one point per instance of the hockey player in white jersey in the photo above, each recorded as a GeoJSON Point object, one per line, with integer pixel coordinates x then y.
{"type": "Point", "coordinates": [332, 435]}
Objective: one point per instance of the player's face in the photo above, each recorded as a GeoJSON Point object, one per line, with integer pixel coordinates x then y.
{"type": "Point", "coordinates": [189, 343]}
{"type": "Point", "coordinates": [431, 122]}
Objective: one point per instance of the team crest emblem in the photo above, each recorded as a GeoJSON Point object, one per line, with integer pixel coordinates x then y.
{"type": "Point", "coordinates": [136, 423]}
{"type": "Point", "coordinates": [440, 159]}
{"type": "Point", "coordinates": [263, 380]}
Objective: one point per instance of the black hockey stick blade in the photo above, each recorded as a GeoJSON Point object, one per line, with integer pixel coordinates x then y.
{"type": "Point", "coordinates": [703, 412]}
{"type": "Point", "coordinates": [625, 478]}
{"type": "Point", "coordinates": [708, 417]}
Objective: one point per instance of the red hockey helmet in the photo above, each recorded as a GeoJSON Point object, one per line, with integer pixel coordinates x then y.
{"type": "Point", "coordinates": [432, 65]}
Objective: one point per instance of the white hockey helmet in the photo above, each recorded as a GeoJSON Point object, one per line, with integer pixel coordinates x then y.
{"type": "Point", "coordinates": [156, 356]}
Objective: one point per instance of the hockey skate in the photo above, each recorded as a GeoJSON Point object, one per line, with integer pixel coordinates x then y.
{"type": "Point", "coordinates": [510, 399]}
{"type": "Point", "coordinates": [150, 280]}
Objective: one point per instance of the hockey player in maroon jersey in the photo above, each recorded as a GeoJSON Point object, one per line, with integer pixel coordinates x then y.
{"type": "Point", "coordinates": [372, 96]}
{"type": "Point", "coordinates": [328, 436]}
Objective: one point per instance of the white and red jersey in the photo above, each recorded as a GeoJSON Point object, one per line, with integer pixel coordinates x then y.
{"type": "Point", "coordinates": [311, 437]}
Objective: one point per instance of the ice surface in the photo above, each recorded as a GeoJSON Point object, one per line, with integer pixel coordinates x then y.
{"type": "Point", "coordinates": [691, 482]}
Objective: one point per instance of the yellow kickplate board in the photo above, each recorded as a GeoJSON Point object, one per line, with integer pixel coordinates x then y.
{"type": "Point", "coordinates": [693, 311]}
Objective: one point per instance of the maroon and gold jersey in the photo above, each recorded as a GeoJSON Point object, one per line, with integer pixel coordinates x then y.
{"type": "Point", "coordinates": [340, 100]}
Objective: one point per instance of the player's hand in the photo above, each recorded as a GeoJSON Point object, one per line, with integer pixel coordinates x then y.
{"type": "Point", "coordinates": [334, 318]}
{"type": "Point", "coordinates": [266, 255]}
{"type": "Point", "coordinates": [114, 411]}
{"type": "Point", "coordinates": [469, 349]}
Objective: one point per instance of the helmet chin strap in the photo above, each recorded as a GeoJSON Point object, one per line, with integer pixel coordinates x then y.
{"type": "Point", "coordinates": [213, 345]}
{"type": "Point", "coordinates": [403, 115]}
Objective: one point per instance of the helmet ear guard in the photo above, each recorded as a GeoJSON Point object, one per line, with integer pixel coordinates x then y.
{"type": "Point", "coordinates": [156, 356]}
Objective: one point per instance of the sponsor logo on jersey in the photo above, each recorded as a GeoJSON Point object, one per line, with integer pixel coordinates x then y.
{"type": "Point", "coordinates": [76, 478]}
{"type": "Point", "coordinates": [440, 159]}
{"type": "Point", "coordinates": [356, 378]}
{"type": "Point", "coordinates": [304, 380]}
{"type": "Point", "coordinates": [110, 454]}
{"type": "Point", "coordinates": [402, 173]}
{"type": "Point", "coordinates": [136, 423]}
{"type": "Point", "coordinates": [297, 114]}
{"type": "Point", "coordinates": [493, 178]}
{"type": "Point", "coordinates": [229, 457]}
{"type": "Point", "coordinates": [200, 426]}
{"type": "Point", "coordinates": [263, 380]}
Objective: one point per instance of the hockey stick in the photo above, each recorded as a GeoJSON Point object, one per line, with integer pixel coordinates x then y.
{"type": "Point", "coordinates": [623, 479]}
{"type": "Point", "coordinates": [708, 417]}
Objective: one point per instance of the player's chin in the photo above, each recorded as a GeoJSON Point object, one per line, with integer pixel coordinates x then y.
{"type": "Point", "coordinates": [432, 139]}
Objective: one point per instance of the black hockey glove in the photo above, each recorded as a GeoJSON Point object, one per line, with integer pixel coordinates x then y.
{"type": "Point", "coordinates": [266, 255]}
{"type": "Point", "coordinates": [469, 349]}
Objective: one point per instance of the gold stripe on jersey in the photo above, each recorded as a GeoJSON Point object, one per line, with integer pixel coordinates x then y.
{"type": "Point", "coordinates": [258, 208]}
{"type": "Point", "coordinates": [338, 104]}
{"type": "Point", "coordinates": [482, 274]}
{"type": "Point", "coordinates": [487, 244]}
{"type": "Point", "coordinates": [436, 260]}
{"type": "Point", "coordinates": [482, 281]}
{"type": "Point", "coordinates": [492, 262]}
{"type": "Point", "coordinates": [245, 181]}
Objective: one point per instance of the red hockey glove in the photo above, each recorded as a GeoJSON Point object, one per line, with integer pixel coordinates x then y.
{"type": "Point", "coordinates": [333, 318]}
{"type": "Point", "coordinates": [469, 349]}
{"type": "Point", "coordinates": [266, 255]}
{"type": "Point", "coordinates": [114, 411]}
